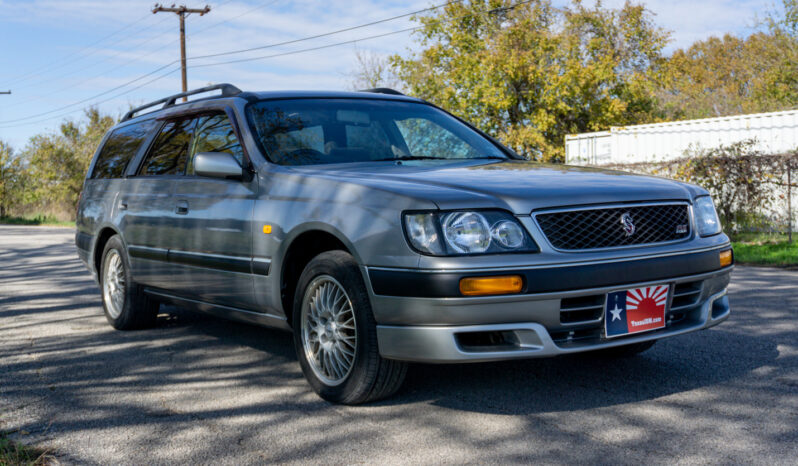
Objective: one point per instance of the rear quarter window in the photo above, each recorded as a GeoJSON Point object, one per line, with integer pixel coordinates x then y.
{"type": "Point", "coordinates": [119, 149]}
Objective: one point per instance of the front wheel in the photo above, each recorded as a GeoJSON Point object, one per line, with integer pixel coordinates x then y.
{"type": "Point", "coordinates": [125, 305]}
{"type": "Point", "coordinates": [335, 334]}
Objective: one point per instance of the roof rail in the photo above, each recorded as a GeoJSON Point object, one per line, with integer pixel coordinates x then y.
{"type": "Point", "coordinates": [228, 90]}
{"type": "Point", "coordinates": [382, 90]}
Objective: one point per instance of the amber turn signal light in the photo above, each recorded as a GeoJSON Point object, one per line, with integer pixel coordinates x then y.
{"type": "Point", "coordinates": [484, 286]}
{"type": "Point", "coordinates": [726, 258]}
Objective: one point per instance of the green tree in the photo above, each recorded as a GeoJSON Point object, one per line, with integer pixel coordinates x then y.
{"type": "Point", "coordinates": [529, 74]}
{"type": "Point", "coordinates": [12, 180]}
{"type": "Point", "coordinates": [58, 161]}
{"type": "Point", "coordinates": [732, 75]}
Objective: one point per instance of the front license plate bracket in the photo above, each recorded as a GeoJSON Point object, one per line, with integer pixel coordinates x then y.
{"type": "Point", "coordinates": [635, 310]}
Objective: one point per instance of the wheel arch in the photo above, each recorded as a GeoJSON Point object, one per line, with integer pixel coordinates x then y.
{"type": "Point", "coordinates": [103, 235]}
{"type": "Point", "coordinates": [300, 248]}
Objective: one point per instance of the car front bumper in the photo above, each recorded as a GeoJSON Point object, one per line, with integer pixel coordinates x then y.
{"type": "Point", "coordinates": [534, 324]}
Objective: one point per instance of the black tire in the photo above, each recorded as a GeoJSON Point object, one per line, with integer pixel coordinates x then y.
{"type": "Point", "coordinates": [370, 376]}
{"type": "Point", "coordinates": [137, 311]}
{"type": "Point", "coordinates": [625, 351]}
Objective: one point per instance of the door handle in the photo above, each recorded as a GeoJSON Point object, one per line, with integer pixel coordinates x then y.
{"type": "Point", "coordinates": [122, 205]}
{"type": "Point", "coordinates": [181, 208]}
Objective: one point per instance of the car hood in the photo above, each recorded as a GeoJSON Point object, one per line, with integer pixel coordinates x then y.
{"type": "Point", "coordinates": [518, 186]}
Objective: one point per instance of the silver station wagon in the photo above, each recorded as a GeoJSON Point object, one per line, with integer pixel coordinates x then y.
{"type": "Point", "coordinates": [382, 230]}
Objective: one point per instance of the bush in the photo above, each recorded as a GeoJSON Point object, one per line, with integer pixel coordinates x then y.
{"type": "Point", "coordinates": [745, 183]}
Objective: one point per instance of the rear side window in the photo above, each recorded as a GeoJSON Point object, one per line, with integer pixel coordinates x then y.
{"type": "Point", "coordinates": [170, 149]}
{"type": "Point", "coordinates": [119, 149]}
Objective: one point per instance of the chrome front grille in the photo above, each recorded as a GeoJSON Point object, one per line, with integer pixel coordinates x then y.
{"type": "Point", "coordinates": [582, 229]}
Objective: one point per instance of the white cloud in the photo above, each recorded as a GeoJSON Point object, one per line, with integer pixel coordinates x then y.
{"type": "Point", "coordinates": [54, 34]}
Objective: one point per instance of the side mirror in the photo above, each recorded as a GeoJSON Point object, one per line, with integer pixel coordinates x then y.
{"type": "Point", "coordinates": [217, 165]}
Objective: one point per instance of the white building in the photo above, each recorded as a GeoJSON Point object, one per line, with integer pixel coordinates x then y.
{"type": "Point", "coordinates": [775, 132]}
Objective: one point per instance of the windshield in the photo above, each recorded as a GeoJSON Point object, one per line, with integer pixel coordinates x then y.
{"type": "Point", "coordinates": [318, 131]}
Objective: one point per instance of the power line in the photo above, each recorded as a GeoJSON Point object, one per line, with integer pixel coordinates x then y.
{"type": "Point", "coordinates": [247, 59]}
{"type": "Point", "coordinates": [318, 36]}
{"type": "Point", "coordinates": [137, 43]}
{"type": "Point", "coordinates": [376, 36]}
{"type": "Point", "coordinates": [232, 52]}
{"type": "Point", "coordinates": [84, 68]}
{"type": "Point", "coordinates": [94, 96]}
{"type": "Point", "coordinates": [262, 5]}
{"type": "Point", "coordinates": [82, 53]}
{"type": "Point", "coordinates": [109, 57]}
{"type": "Point", "coordinates": [196, 66]}
{"type": "Point", "coordinates": [311, 49]}
{"type": "Point", "coordinates": [157, 78]}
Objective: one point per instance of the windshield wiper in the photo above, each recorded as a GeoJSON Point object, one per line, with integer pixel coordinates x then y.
{"type": "Point", "coordinates": [427, 157]}
{"type": "Point", "coordinates": [410, 157]}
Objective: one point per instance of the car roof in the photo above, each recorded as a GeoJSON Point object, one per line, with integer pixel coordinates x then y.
{"type": "Point", "coordinates": [228, 91]}
{"type": "Point", "coordinates": [328, 95]}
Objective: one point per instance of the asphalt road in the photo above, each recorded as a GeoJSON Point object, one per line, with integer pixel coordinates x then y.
{"type": "Point", "coordinates": [198, 389]}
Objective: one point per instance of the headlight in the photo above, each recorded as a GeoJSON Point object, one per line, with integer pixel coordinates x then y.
{"type": "Point", "coordinates": [706, 218]}
{"type": "Point", "coordinates": [466, 232]}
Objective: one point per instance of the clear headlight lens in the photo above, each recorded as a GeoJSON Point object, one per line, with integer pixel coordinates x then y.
{"type": "Point", "coordinates": [422, 229]}
{"type": "Point", "coordinates": [508, 234]}
{"type": "Point", "coordinates": [706, 217]}
{"type": "Point", "coordinates": [467, 232]}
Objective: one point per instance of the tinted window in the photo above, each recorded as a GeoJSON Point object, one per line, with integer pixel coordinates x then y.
{"type": "Point", "coordinates": [215, 134]}
{"type": "Point", "coordinates": [170, 149]}
{"type": "Point", "coordinates": [316, 131]}
{"type": "Point", "coordinates": [119, 148]}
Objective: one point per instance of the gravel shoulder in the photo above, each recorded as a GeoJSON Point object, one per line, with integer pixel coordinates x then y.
{"type": "Point", "coordinates": [198, 389]}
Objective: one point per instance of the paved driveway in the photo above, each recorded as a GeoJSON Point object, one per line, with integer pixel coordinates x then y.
{"type": "Point", "coordinates": [197, 389]}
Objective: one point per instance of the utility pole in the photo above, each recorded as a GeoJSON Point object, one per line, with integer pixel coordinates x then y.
{"type": "Point", "coordinates": [182, 12]}
{"type": "Point", "coordinates": [5, 92]}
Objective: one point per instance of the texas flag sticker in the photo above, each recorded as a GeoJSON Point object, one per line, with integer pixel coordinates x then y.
{"type": "Point", "coordinates": [636, 310]}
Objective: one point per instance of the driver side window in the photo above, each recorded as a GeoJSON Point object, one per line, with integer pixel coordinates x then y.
{"type": "Point", "coordinates": [214, 133]}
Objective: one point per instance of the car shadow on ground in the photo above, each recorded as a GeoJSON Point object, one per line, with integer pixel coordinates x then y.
{"type": "Point", "coordinates": [514, 387]}
{"type": "Point", "coordinates": [59, 355]}
{"type": "Point", "coordinates": [549, 385]}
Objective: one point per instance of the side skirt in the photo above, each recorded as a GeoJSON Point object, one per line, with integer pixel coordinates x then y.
{"type": "Point", "coordinates": [225, 312]}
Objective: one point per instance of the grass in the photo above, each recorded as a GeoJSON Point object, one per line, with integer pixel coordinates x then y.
{"type": "Point", "coordinates": [766, 249]}
{"type": "Point", "coordinates": [16, 454]}
{"type": "Point", "coordinates": [39, 219]}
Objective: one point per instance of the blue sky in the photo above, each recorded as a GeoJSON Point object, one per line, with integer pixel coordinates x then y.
{"type": "Point", "coordinates": [55, 54]}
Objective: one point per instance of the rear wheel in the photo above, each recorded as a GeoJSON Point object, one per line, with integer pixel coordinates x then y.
{"type": "Point", "coordinates": [125, 305]}
{"type": "Point", "coordinates": [335, 334]}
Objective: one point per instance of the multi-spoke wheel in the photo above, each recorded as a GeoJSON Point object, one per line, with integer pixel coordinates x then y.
{"type": "Point", "coordinates": [328, 330]}
{"type": "Point", "coordinates": [113, 283]}
{"type": "Point", "coordinates": [335, 334]}
{"type": "Point", "coordinates": [126, 306]}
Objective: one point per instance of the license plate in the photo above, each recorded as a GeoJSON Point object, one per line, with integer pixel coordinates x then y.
{"type": "Point", "coordinates": [636, 310]}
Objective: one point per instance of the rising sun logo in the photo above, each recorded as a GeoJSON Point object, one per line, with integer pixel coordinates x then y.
{"type": "Point", "coordinates": [647, 299]}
